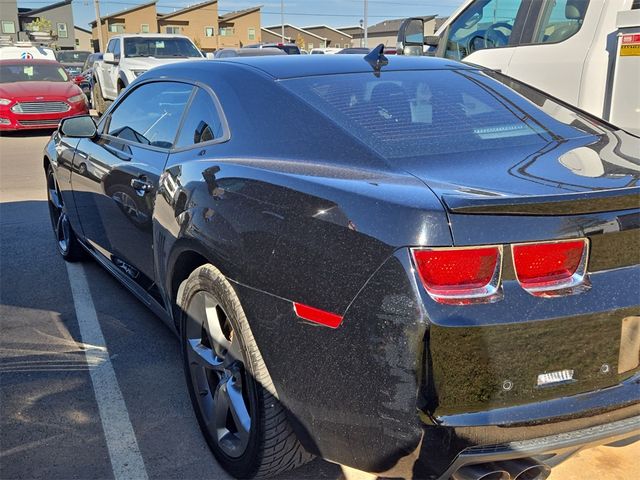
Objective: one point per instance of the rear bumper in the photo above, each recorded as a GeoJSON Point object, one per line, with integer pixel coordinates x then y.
{"type": "Point", "coordinates": [551, 449]}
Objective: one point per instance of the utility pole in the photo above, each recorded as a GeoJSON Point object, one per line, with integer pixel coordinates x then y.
{"type": "Point", "coordinates": [366, 23]}
{"type": "Point", "coordinates": [282, 20]}
{"type": "Point", "coordinates": [96, 4]}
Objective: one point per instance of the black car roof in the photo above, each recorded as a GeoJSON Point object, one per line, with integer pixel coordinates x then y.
{"type": "Point", "coordinates": [290, 66]}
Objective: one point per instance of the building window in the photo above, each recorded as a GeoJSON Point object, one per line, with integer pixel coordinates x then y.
{"type": "Point", "coordinates": [116, 27]}
{"type": "Point", "coordinates": [209, 31]}
{"type": "Point", "coordinates": [227, 31]}
{"type": "Point", "coordinates": [144, 28]}
{"type": "Point", "coordinates": [337, 45]}
{"type": "Point", "coordinates": [77, 42]}
{"type": "Point", "coordinates": [252, 34]}
{"type": "Point", "coordinates": [173, 30]}
{"type": "Point", "coordinates": [8, 26]}
{"type": "Point", "coordinates": [62, 30]}
{"type": "Point", "coordinates": [309, 46]}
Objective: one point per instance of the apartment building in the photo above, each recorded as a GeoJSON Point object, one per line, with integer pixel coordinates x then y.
{"type": "Point", "coordinates": [305, 39]}
{"type": "Point", "coordinates": [9, 26]}
{"type": "Point", "coordinates": [274, 36]}
{"type": "Point", "coordinates": [198, 22]}
{"type": "Point", "coordinates": [335, 38]}
{"type": "Point", "coordinates": [201, 22]}
{"type": "Point", "coordinates": [240, 28]}
{"type": "Point", "coordinates": [61, 17]}
{"type": "Point", "coordinates": [83, 38]}
{"type": "Point", "coordinates": [139, 19]}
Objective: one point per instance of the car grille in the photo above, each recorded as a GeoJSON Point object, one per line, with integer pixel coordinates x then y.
{"type": "Point", "coordinates": [40, 107]}
{"type": "Point", "coordinates": [36, 123]}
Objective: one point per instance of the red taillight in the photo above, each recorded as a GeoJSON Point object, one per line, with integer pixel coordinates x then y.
{"type": "Point", "coordinates": [550, 269]}
{"type": "Point", "coordinates": [317, 316]}
{"type": "Point", "coordinates": [460, 275]}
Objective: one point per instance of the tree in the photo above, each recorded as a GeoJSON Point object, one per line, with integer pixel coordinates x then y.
{"type": "Point", "coordinates": [300, 42]}
{"type": "Point", "coordinates": [42, 24]}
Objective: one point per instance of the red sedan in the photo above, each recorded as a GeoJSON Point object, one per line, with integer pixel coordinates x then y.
{"type": "Point", "coordinates": [37, 94]}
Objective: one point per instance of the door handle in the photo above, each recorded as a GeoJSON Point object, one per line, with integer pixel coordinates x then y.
{"type": "Point", "coordinates": [141, 186]}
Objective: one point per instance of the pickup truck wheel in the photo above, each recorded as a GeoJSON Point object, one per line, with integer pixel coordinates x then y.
{"type": "Point", "coordinates": [243, 423]}
{"type": "Point", "coordinates": [98, 99]}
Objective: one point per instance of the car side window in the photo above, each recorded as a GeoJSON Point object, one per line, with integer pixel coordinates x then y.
{"type": "Point", "coordinates": [560, 20]}
{"type": "Point", "coordinates": [151, 114]}
{"type": "Point", "coordinates": [484, 24]}
{"type": "Point", "coordinates": [116, 50]}
{"type": "Point", "coordinates": [202, 122]}
{"type": "Point", "coordinates": [111, 45]}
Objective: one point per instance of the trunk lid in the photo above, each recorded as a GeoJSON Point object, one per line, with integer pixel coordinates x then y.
{"type": "Point", "coordinates": [589, 174]}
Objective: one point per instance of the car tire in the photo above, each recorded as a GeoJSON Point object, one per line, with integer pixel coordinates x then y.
{"type": "Point", "coordinates": [97, 98]}
{"type": "Point", "coordinates": [232, 382]}
{"type": "Point", "coordinates": [66, 240]}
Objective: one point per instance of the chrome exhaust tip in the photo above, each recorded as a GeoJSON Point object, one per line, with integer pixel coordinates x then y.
{"type": "Point", "coordinates": [482, 471]}
{"type": "Point", "coordinates": [526, 469]}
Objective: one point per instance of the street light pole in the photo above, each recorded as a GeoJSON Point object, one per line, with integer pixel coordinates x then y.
{"type": "Point", "coordinates": [96, 4]}
{"type": "Point", "coordinates": [282, 20]}
{"type": "Point", "coordinates": [366, 23]}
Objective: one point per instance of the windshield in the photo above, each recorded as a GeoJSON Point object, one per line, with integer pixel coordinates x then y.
{"type": "Point", "coordinates": [160, 47]}
{"type": "Point", "coordinates": [71, 56]}
{"type": "Point", "coordinates": [32, 73]}
{"type": "Point", "coordinates": [409, 114]}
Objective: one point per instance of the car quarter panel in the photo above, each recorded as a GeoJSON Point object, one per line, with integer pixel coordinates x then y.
{"type": "Point", "coordinates": [306, 214]}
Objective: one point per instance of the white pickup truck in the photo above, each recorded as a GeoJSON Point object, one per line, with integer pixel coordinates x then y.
{"type": "Point", "coordinates": [584, 52]}
{"type": "Point", "coordinates": [129, 56]}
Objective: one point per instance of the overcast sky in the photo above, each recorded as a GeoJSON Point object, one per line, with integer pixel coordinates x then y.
{"type": "Point", "coordinates": [299, 12]}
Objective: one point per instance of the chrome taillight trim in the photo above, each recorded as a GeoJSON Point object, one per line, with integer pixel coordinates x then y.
{"type": "Point", "coordinates": [578, 282]}
{"type": "Point", "coordinates": [490, 293]}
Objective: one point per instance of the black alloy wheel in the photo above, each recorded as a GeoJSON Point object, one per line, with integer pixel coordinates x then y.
{"type": "Point", "coordinates": [244, 424]}
{"type": "Point", "coordinates": [66, 241]}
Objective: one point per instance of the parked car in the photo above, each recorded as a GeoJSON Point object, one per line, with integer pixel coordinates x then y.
{"type": "Point", "coordinates": [37, 94]}
{"type": "Point", "coordinates": [321, 51]}
{"type": "Point", "coordinates": [580, 51]}
{"type": "Point", "coordinates": [85, 79]}
{"type": "Point", "coordinates": [25, 51]}
{"type": "Point", "coordinates": [432, 278]}
{"type": "Point", "coordinates": [288, 48]}
{"type": "Point", "coordinates": [73, 60]}
{"type": "Point", "coordinates": [355, 51]}
{"type": "Point", "coordinates": [247, 52]}
{"type": "Point", "coordinates": [129, 56]}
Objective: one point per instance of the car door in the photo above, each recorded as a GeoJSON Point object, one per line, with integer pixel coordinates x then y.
{"type": "Point", "coordinates": [115, 175]}
{"type": "Point", "coordinates": [486, 32]}
{"type": "Point", "coordinates": [555, 56]}
{"type": "Point", "coordinates": [108, 68]}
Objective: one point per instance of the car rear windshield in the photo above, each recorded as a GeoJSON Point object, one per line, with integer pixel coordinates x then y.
{"type": "Point", "coordinates": [412, 113]}
{"type": "Point", "coordinates": [32, 73]}
{"type": "Point", "coordinates": [71, 56]}
{"type": "Point", "coordinates": [159, 47]}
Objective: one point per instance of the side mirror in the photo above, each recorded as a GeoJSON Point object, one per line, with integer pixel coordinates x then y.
{"type": "Point", "coordinates": [109, 57]}
{"type": "Point", "coordinates": [81, 126]}
{"type": "Point", "coordinates": [411, 37]}
{"type": "Point", "coordinates": [210, 55]}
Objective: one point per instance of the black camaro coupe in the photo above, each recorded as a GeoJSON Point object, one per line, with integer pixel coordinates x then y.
{"type": "Point", "coordinates": [409, 266]}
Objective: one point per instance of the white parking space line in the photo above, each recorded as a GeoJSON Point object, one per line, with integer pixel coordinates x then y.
{"type": "Point", "coordinates": [126, 460]}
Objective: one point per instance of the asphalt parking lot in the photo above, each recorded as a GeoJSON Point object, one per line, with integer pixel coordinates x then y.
{"type": "Point", "coordinates": [55, 423]}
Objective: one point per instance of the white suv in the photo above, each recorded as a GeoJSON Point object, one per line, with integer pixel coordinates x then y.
{"type": "Point", "coordinates": [129, 56]}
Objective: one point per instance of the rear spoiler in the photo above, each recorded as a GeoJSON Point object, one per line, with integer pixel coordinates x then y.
{"type": "Point", "coordinates": [563, 204]}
